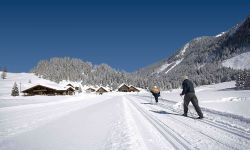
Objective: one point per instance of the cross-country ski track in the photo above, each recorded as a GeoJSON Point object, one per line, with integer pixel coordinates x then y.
{"type": "Point", "coordinates": [125, 121]}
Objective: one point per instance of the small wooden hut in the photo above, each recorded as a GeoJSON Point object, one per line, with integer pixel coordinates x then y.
{"type": "Point", "coordinates": [73, 86]}
{"type": "Point", "coordinates": [133, 89]}
{"type": "Point", "coordinates": [69, 91]}
{"type": "Point", "coordinates": [89, 90]}
{"type": "Point", "coordinates": [101, 90]}
{"type": "Point", "coordinates": [123, 88]}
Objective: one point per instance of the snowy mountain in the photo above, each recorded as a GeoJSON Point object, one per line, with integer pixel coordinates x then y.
{"type": "Point", "coordinates": [241, 61]}
{"type": "Point", "coordinates": [201, 58]}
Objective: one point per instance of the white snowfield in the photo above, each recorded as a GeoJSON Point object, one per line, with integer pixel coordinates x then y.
{"type": "Point", "coordinates": [122, 121]}
{"type": "Point", "coordinates": [241, 61]}
{"type": "Point", "coordinates": [175, 63]}
{"type": "Point", "coordinates": [219, 35]}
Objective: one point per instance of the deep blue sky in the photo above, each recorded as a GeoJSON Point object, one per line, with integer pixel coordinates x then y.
{"type": "Point", "coordinates": [126, 35]}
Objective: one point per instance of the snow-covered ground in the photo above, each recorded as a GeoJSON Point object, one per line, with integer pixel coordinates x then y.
{"type": "Point", "coordinates": [123, 121]}
{"type": "Point", "coordinates": [241, 61]}
{"type": "Point", "coordinates": [221, 97]}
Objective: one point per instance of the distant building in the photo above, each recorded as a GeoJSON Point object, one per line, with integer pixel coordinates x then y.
{"type": "Point", "coordinates": [70, 85]}
{"type": "Point", "coordinates": [133, 89]}
{"type": "Point", "coordinates": [101, 90]}
{"type": "Point", "coordinates": [69, 91]}
{"type": "Point", "coordinates": [89, 90]}
{"type": "Point", "coordinates": [73, 86]}
{"type": "Point", "coordinates": [48, 90]}
{"type": "Point", "coordinates": [123, 88]}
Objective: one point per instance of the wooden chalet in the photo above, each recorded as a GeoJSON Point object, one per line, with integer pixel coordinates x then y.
{"type": "Point", "coordinates": [133, 89]}
{"type": "Point", "coordinates": [123, 88]}
{"type": "Point", "coordinates": [47, 90]}
{"type": "Point", "coordinates": [90, 90]}
{"type": "Point", "coordinates": [101, 90]}
{"type": "Point", "coordinates": [69, 91]}
{"type": "Point", "coordinates": [70, 85]}
{"type": "Point", "coordinates": [39, 90]}
{"type": "Point", "coordinates": [75, 87]}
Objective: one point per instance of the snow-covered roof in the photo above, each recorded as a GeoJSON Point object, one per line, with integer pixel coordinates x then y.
{"type": "Point", "coordinates": [67, 87]}
{"type": "Point", "coordinates": [122, 85]}
{"type": "Point", "coordinates": [102, 88]}
{"type": "Point", "coordinates": [132, 86]}
{"type": "Point", "coordinates": [48, 85]}
{"type": "Point", "coordinates": [74, 84]}
{"type": "Point", "coordinates": [90, 88]}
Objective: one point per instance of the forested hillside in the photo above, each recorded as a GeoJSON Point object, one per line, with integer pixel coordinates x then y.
{"type": "Point", "coordinates": [200, 59]}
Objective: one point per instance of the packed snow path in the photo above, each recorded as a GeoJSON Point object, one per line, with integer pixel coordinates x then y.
{"type": "Point", "coordinates": [115, 123]}
{"type": "Point", "coordinates": [208, 133]}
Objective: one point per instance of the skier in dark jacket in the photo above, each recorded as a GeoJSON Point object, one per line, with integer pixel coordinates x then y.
{"type": "Point", "coordinates": [188, 91]}
{"type": "Point", "coordinates": [156, 93]}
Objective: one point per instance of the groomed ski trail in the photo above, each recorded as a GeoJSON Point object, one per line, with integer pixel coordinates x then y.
{"type": "Point", "coordinates": [197, 134]}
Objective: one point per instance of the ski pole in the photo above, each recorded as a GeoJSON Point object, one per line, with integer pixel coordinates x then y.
{"type": "Point", "coordinates": [182, 102]}
{"type": "Point", "coordinates": [151, 99]}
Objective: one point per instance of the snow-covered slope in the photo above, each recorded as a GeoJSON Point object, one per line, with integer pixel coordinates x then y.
{"type": "Point", "coordinates": [201, 59]}
{"type": "Point", "coordinates": [241, 61]}
{"type": "Point", "coordinates": [219, 35]}
{"type": "Point", "coordinates": [168, 66]}
{"type": "Point", "coordinates": [126, 121]}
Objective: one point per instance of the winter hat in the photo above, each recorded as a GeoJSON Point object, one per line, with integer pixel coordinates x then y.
{"type": "Point", "coordinates": [184, 77]}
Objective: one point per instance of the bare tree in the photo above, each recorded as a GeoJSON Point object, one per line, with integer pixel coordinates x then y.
{"type": "Point", "coordinates": [4, 73]}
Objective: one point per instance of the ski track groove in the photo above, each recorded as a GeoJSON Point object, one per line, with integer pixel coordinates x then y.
{"type": "Point", "coordinates": [217, 141]}
{"type": "Point", "coordinates": [219, 126]}
{"type": "Point", "coordinates": [207, 121]}
{"type": "Point", "coordinates": [175, 137]}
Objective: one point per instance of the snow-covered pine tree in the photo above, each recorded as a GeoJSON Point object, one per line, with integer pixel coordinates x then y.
{"type": "Point", "coordinates": [243, 80]}
{"type": "Point", "coordinates": [240, 81]}
{"type": "Point", "coordinates": [237, 84]}
{"type": "Point", "coordinates": [15, 91]}
{"type": "Point", "coordinates": [247, 80]}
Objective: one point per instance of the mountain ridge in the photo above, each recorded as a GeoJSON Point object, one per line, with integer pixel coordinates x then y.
{"type": "Point", "coordinates": [202, 56]}
{"type": "Point", "coordinates": [201, 59]}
